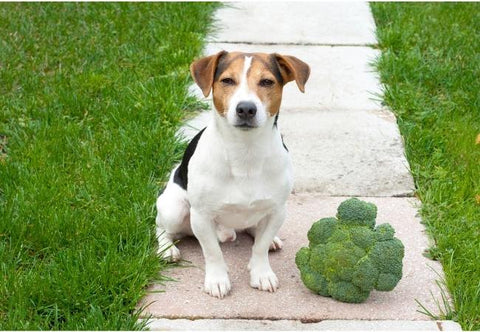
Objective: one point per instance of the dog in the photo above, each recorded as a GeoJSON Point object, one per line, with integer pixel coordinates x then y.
{"type": "Point", "coordinates": [236, 174]}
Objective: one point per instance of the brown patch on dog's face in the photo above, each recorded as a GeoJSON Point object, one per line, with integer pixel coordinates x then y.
{"type": "Point", "coordinates": [265, 80]}
{"type": "Point", "coordinates": [226, 80]}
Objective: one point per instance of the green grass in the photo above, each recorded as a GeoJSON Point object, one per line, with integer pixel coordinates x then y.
{"type": "Point", "coordinates": [91, 95]}
{"type": "Point", "coordinates": [430, 64]}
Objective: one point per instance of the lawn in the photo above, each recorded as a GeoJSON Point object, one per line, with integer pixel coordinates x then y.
{"type": "Point", "coordinates": [430, 66]}
{"type": "Point", "coordinates": [91, 95]}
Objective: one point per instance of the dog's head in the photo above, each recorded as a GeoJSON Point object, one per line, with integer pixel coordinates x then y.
{"type": "Point", "coordinates": [247, 87]}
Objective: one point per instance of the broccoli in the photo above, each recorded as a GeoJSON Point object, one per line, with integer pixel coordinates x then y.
{"type": "Point", "coordinates": [348, 256]}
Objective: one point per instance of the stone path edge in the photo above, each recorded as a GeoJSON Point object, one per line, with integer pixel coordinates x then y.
{"type": "Point", "coordinates": [285, 325]}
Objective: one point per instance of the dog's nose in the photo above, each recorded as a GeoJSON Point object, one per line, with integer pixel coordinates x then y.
{"type": "Point", "coordinates": [246, 110]}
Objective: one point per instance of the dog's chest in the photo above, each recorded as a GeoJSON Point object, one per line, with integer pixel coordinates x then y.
{"type": "Point", "coordinates": [242, 204]}
{"type": "Point", "coordinates": [239, 189]}
{"type": "Point", "coordinates": [250, 182]}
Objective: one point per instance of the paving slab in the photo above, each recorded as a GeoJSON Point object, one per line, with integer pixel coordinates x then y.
{"type": "Point", "coordinates": [163, 324]}
{"type": "Point", "coordinates": [186, 299]}
{"type": "Point", "coordinates": [345, 153]}
{"type": "Point", "coordinates": [341, 77]}
{"type": "Point", "coordinates": [340, 153]}
{"type": "Point", "coordinates": [259, 22]}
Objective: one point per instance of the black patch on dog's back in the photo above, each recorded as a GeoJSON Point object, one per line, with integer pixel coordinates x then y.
{"type": "Point", "coordinates": [283, 143]}
{"type": "Point", "coordinates": [276, 126]}
{"type": "Point", "coordinates": [181, 174]}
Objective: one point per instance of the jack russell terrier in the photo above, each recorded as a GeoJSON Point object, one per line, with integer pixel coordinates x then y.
{"type": "Point", "coordinates": [236, 173]}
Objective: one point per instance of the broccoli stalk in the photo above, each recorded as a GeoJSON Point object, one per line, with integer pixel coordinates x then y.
{"type": "Point", "coordinates": [348, 256]}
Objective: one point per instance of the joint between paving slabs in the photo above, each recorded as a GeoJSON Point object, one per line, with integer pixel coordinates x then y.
{"type": "Point", "coordinates": [439, 325]}
{"type": "Point", "coordinates": [244, 42]}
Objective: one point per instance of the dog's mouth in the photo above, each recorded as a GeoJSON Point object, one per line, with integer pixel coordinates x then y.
{"type": "Point", "coordinates": [245, 126]}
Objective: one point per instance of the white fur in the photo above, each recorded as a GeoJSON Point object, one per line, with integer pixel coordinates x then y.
{"type": "Point", "coordinates": [237, 179]}
{"type": "Point", "coordinates": [243, 93]}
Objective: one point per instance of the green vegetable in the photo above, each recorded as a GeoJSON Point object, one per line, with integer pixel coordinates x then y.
{"type": "Point", "coordinates": [348, 256]}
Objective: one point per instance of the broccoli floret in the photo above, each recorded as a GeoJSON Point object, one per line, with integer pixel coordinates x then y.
{"type": "Point", "coordinates": [321, 231]}
{"type": "Point", "coordinates": [347, 292]}
{"type": "Point", "coordinates": [365, 275]}
{"type": "Point", "coordinates": [384, 232]}
{"type": "Point", "coordinates": [311, 278]}
{"type": "Point", "coordinates": [356, 212]}
{"type": "Point", "coordinates": [363, 236]}
{"type": "Point", "coordinates": [387, 257]}
{"type": "Point", "coordinates": [348, 257]}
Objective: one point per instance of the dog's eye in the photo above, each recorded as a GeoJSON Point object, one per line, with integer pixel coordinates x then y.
{"type": "Point", "coordinates": [228, 81]}
{"type": "Point", "coordinates": [265, 82]}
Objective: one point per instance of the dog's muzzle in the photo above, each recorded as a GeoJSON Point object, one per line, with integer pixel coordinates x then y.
{"type": "Point", "coordinates": [246, 111]}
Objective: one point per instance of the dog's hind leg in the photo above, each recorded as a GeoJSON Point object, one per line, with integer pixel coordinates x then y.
{"type": "Point", "coordinates": [173, 220]}
{"type": "Point", "coordinates": [166, 248]}
{"type": "Point", "coordinates": [225, 234]}
{"type": "Point", "coordinates": [276, 243]}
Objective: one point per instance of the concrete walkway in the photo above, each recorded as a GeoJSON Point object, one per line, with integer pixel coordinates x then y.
{"type": "Point", "coordinates": [343, 143]}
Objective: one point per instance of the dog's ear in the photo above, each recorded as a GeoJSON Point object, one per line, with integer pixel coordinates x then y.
{"type": "Point", "coordinates": [203, 71]}
{"type": "Point", "coordinates": [292, 68]}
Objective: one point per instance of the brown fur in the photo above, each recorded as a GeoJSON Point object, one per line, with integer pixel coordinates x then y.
{"type": "Point", "coordinates": [270, 96]}
{"type": "Point", "coordinates": [203, 71]}
{"type": "Point", "coordinates": [232, 65]}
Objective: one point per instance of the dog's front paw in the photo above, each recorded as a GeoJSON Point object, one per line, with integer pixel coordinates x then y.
{"type": "Point", "coordinates": [217, 283]}
{"type": "Point", "coordinates": [264, 279]}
